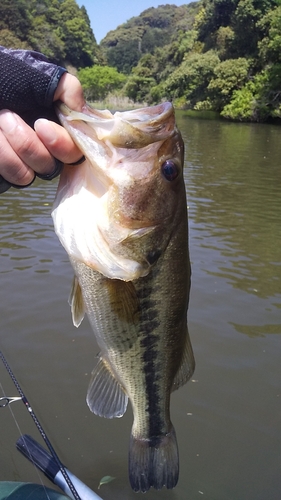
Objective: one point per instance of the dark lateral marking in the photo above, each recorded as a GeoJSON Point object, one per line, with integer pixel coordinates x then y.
{"type": "Point", "coordinates": [149, 343]}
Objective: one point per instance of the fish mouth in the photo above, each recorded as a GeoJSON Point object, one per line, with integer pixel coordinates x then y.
{"type": "Point", "coordinates": [128, 129]}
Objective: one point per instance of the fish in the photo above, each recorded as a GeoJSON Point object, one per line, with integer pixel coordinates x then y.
{"type": "Point", "coordinates": [121, 216]}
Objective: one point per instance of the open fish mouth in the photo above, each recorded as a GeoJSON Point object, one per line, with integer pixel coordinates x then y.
{"type": "Point", "coordinates": [129, 129]}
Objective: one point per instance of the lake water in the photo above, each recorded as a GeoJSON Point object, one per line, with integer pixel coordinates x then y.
{"type": "Point", "coordinates": [228, 418]}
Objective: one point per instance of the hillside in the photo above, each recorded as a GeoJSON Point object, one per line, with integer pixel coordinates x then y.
{"type": "Point", "coordinates": [221, 55]}
{"type": "Point", "coordinates": [60, 29]}
{"type": "Point", "coordinates": [154, 27]}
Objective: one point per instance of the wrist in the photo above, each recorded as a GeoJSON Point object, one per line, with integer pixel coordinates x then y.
{"type": "Point", "coordinates": [54, 85]}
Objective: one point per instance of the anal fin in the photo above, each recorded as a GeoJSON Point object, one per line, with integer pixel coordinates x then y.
{"type": "Point", "coordinates": [187, 366]}
{"type": "Point", "coordinates": [105, 396]}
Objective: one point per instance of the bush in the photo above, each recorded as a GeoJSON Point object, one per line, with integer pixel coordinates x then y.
{"type": "Point", "coordinates": [98, 81]}
{"type": "Point", "coordinates": [229, 75]}
{"type": "Point", "coordinates": [192, 77]}
{"type": "Point", "coordinates": [254, 102]}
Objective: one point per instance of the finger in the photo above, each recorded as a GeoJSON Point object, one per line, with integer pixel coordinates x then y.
{"type": "Point", "coordinates": [12, 168]}
{"type": "Point", "coordinates": [57, 140]}
{"type": "Point", "coordinates": [70, 92]}
{"type": "Point", "coordinates": [26, 153]}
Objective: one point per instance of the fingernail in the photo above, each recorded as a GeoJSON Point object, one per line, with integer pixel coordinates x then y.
{"type": "Point", "coordinates": [8, 121]}
{"type": "Point", "coordinates": [46, 130]}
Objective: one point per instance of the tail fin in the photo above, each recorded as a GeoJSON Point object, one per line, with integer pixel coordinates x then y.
{"type": "Point", "coordinates": [154, 464]}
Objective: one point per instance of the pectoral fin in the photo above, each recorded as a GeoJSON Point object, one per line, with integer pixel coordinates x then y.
{"type": "Point", "coordinates": [76, 303]}
{"type": "Point", "coordinates": [105, 396]}
{"type": "Point", "coordinates": [186, 368]}
{"type": "Point", "coordinates": [123, 299]}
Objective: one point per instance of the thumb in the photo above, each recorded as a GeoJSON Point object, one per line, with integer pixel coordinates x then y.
{"type": "Point", "coordinates": [70, 92]}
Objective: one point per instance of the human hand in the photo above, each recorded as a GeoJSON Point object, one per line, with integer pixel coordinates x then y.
{"type": "Point", "coordinates": [25, 152]}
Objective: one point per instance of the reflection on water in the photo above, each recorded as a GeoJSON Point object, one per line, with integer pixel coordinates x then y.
{"type": "Point", "coordinates": [234, 190]}
{"type": "Point", "coordinates": [228, 419]}
{"type": "Point", "coordinates": [25, 223]}
{"type": "Point", "coordinates": [238, 209]}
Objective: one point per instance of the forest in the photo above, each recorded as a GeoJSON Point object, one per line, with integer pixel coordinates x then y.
{"type": "Point", "coordinates": [219, 55]}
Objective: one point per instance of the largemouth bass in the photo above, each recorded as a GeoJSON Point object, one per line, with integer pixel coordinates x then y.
{"type": "Point", "coordinates": [122, 218]}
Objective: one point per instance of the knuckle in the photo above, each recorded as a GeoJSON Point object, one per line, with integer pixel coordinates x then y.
{"type": "Point", "coordinates": [25, 145]}
{"type": "Point", "coordinates": [18, 174]}
{"type": "Point", "coordinates": [12, 167]}
{"type": "Point", "coordinates": [23, 175]}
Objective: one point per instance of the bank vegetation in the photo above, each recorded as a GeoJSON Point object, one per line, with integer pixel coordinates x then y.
{"type": "Point", "coordinates": [219, 55]}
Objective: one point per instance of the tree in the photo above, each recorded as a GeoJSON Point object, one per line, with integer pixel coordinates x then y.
{"type": "Point", "coordinates": [190, 80]}
{"type": "Point", "coordinates": [183, 42]}
{"type": "Point", "coordinates": [141, 79]}
{"type": "Point", "coordinates": [270, 45]}
{"type": "Point", "coordinates": [213, 15]}
{"type": "Point", "coordinates": [246, 25]}
{"type": "Point", "coordinates": [8, 39]}
{"type": "Point", "coordinates": [80, 44]}
{"type": "Point", "coordinates": [98, 81]}
{"type": "Point", "coordinates": [259, 99]}
{"type": "Point", "coordinates": [44, 38]}
{"type": "Point", "coordinates": [229, 75]}
{"type": "Point", "coordinates": [15, 16]}
{"type": "Point", "coordinates": [225, 38]}
{"type": "Point", "coordinates": [155, 27]}
{"type": "Point", "coordinates": [123, 56]}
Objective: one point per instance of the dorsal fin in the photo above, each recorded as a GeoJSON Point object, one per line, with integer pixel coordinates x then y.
{"type": "Point", "coordinates": [76, 303]}
{"type": "Point", "coordinates": [105, 396]}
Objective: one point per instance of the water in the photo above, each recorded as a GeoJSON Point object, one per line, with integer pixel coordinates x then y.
{"type": "Point", "coordinates": [228, 417]}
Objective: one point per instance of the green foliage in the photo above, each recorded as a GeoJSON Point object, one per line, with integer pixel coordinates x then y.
{"type": "Point", "coordinates": [259, 99]}
{"type": "Point", "coordinates": [232, 26]}
{"type": "Point", "coordinates": [8, 39]}
{"type": "Point", "coordinates": [183, 43]}
{"type": "Point", "coordinates": [44, 38]}
{"type": "Point", "coordinates": [122, 58]}
{"type": "Point", "coordinates": [15, 16]}
{"type": "Point", "coordinates": [141, 80]}
{"type": "Point", "coordinates": [155, 27]}
{"type": "Point", "coordinates": [60, 29]}
{"type": "Point", "coordinates": [270, 45]}
{"type": "Point", "coordinates": [213, 15]}
{"type": "Point", "coordinates": [229, 75]}
{"type": "Point", "coordinates": [79, 40]}
{"type": "Point", "coordinates": [192, 77]}
{"type": "Point", "coordinates": [223, 55]}
{"type": "Point", "coordinates": [225, 60]}
{"type": "Point", "coordinates": [98, 81]}
{"type": "Point", "coordinates": [105, 480]}
{"type": "Point", "coordinates": [225, 37]}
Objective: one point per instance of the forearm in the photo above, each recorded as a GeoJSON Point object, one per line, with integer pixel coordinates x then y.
{"type": "Point", "coordinates": [28, 83]}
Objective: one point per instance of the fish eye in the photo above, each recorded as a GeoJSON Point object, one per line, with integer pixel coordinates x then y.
{"type": "Point", "coordinates": [169, 170]}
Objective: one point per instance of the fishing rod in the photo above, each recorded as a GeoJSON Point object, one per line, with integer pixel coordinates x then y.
{"type": "Point", "coordinates": [37, 454]}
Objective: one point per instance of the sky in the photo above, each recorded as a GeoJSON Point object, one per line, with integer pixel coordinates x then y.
{"type": "Point", "coordinates": [106, 15]}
